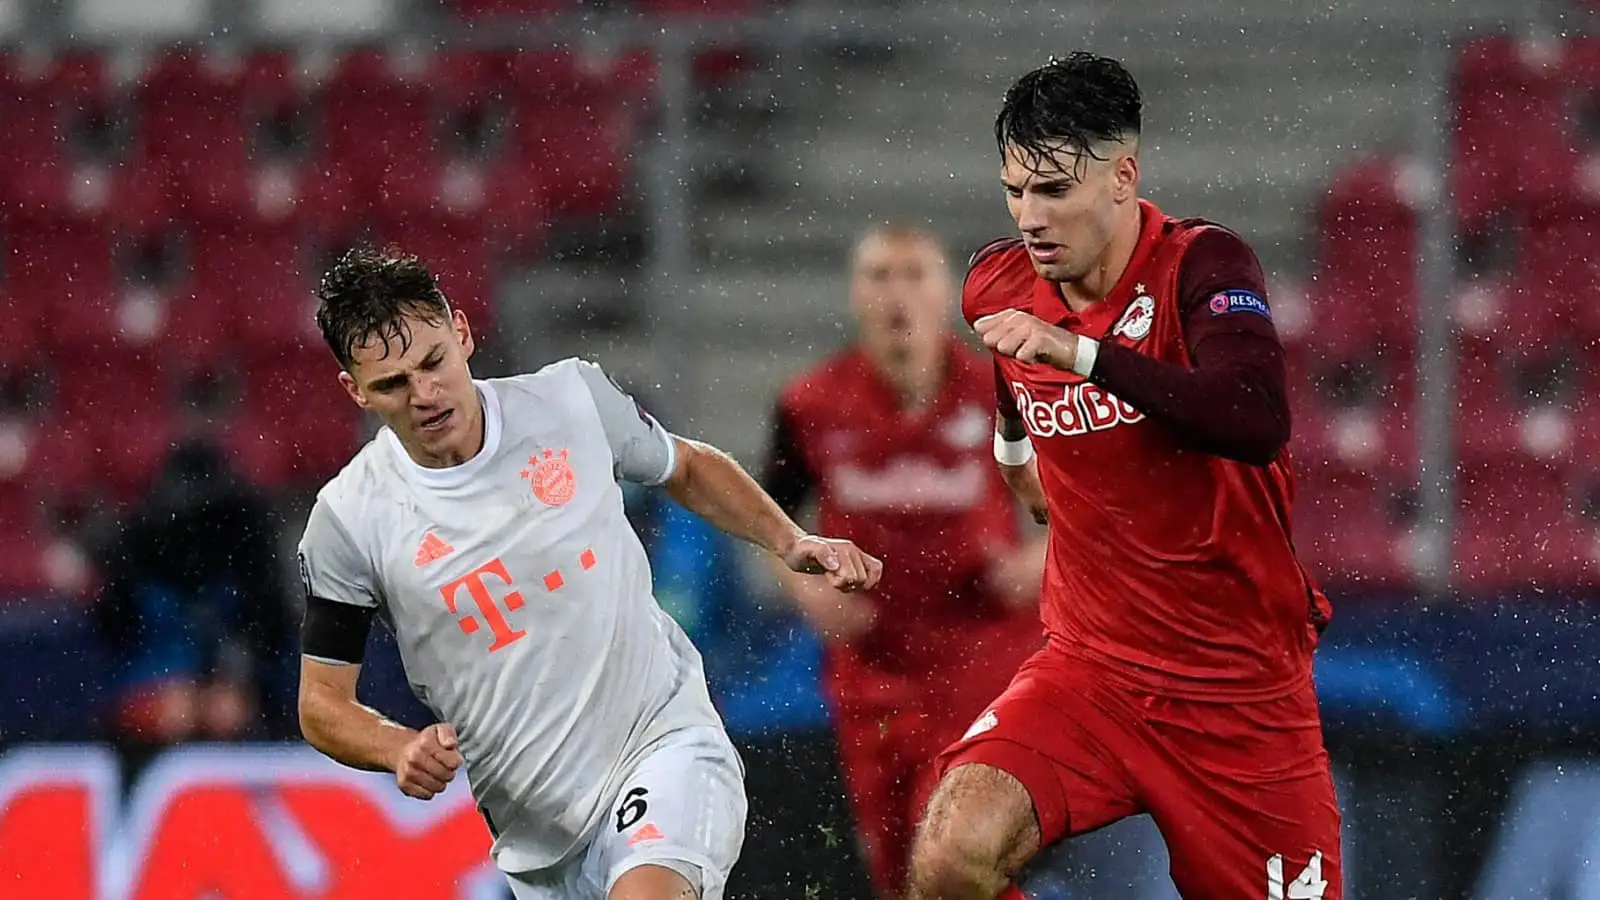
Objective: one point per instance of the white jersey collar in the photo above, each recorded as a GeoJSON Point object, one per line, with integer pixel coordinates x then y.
{"type": "Point", "coordinates": [457, 475]}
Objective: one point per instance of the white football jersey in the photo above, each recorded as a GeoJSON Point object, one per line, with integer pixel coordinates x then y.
{"type": "Point", "coordinates": [521, 599]}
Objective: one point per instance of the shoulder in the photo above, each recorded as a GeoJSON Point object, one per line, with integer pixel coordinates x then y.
{"type": "Point", "coordinates": [815, 385]}
{"type": "Point", "coordinates": [560, 373]}
{"type": "Point", "coordinates": [996, 274]}
{"type": "Point", "coordinates": [562, 389]}
{"type": "Point", "coordinates": [348, 497]}
{"type": "Point", "coordinates": [1217, 259]}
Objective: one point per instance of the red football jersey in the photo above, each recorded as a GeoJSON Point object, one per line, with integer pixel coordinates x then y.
{"type": "Point", "coordinates": [920, 491]}
{"type": "Point", "coordinates": [1172, 567]}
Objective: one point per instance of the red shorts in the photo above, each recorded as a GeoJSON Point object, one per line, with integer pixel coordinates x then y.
{"type": "Point", "coordinates": [1242, 793]}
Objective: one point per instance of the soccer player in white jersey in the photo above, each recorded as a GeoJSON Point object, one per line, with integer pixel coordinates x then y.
{"type": "Point", "coordinates": [485, 524]}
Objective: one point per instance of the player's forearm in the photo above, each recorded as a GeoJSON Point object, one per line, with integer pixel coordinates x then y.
{"type": "Point", "coordinates": [352, 734]}
{"type": "Point", "coordinates": [712, 485]}
{"type": "Point", "coordinates": [1234, 406]}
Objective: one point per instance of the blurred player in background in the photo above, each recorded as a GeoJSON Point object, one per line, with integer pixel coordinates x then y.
{"type": "Point", "coordinates": [485, 524]}
{"type": "Point", "coordinates": [1142, 407]}
{"type": "Point", "coordinates": [907, 473]}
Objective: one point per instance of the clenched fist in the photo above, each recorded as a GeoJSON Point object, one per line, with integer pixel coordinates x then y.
{"type": "Point", "coordinates": [429, 762]}
{"type": "Point", "coordinates": [1027, 338]}
{"type": "Point", "coordinates": [847, 567]}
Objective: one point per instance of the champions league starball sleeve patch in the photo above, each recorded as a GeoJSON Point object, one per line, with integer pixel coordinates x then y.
{"type": "Point", "coordinates": [1224, 302]}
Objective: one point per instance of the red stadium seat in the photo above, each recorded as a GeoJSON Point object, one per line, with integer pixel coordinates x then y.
{"type": "Point", "coordinates": [1347, 530]}
{"type": "Point", "coordinates": [1510, 122]}
{"type": "Point", "coordinates": [571, 136]}
{"type": "Point", "coordinates": [1363, 292]}
{"type": "Point", "coordinates": [374, 118]}
{"type": "Point", "coordinates": [255, 267]}
{"type": "Point", "coordinates": [294, 425]}
{"type": "Point", "coordinates": [1516, 527]}
{"type": "Point", "coordinates": [191, 122]}
{"type": "Point", "coordinates": [64, 267]}
{"type": "Point", "coordinates": [1558, 265]}
{"type": "Point", "coordinates": [457, 251]}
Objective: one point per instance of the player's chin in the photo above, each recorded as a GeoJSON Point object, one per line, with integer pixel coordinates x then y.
{"type": "Point", "coordinates": [1054, 271]}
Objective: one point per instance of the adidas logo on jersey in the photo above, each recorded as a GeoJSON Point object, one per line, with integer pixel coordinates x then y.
{"type": "Point", "coordinates": [432, 548]}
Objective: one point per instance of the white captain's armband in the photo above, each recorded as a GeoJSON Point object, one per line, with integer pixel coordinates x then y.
{"type": "Point", "coordinates": [1012, 453]}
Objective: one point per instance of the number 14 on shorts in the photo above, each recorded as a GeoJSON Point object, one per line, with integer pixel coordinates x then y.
{"type": "Point", "coordinates": [1308, 886]}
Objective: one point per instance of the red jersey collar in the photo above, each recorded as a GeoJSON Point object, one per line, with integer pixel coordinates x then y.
{"type": "Point", "coordinates": [1049, 305]}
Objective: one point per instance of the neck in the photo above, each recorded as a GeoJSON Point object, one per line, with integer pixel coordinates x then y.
{"type": "Point", "coordinates": [917, 381]}
{"type": "Point", "coordinates": [1108, 270]}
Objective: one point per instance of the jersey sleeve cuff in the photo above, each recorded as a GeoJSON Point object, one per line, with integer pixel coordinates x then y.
{"type": "Point", "coordinates": [1012, 453]}
{"type": "Point", "coordinates": [672, 459]}
{"type": "Point", "coordinates": [1088, 351]}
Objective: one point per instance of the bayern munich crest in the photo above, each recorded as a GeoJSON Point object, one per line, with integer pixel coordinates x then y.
{"type": "Point", "coordinates": [551, 477]}
{"type": "Point", "coordinates": [1139, 316]}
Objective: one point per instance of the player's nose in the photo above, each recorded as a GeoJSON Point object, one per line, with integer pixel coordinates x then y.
{"type": "Point", "coordinates": [1030, 214]}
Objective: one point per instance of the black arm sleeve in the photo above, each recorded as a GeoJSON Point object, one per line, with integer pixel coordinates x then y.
{"type": "Point", "coordinates": [785, 476]}
{"type": "Point", "coordinates": [335, 631]}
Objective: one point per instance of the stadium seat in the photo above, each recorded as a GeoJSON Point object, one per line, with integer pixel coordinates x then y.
{"type": "Point", "coordinates": [555, 110]}
{"type": "Point", "coordinates": [1517, 526]}
{"type": "Point", "coordinates": [457, 251]}
{"type": "Point", "coordinates": [1363, 291]}
{"type": "Point", "coordinates": [60, 265]}
{"type": "Point", "coordinates": [1510, 122]}
{"type": "Point", "coordinates": [1349, 530]}
{"type": "Point", "coordinates": [374, 117]}
{"type": "Point", "coordinates": [1558, 267]}
{"type": "Point", "coordinates": [294, 424]}
{"type": "Point", "coordinates": [469, 89]}
{"type": "Point", "coordinates": [191, 122]}
{"type": "Point", "coordinates": [255, 267]}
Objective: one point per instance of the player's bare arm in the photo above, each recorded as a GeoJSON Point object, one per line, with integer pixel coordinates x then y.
{"type": "Point", "coordinates": [338, 725]}
{"type": "Point", "coordinates": [788, 479]}
{"type": "Point", "coordinates": [711, 484]}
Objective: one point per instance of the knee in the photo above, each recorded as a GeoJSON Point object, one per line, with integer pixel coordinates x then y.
{"type": "Point", "coordinates": [978, 831]}
{"type": "Point", "coordinates": [956, 860]}
{"type": "Point", "coordinates": [947, 867]}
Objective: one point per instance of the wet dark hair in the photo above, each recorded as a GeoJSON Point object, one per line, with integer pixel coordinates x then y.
{"type": "Point", "coordinates": [367, 292]}
{"type": "Point", "coordinates": [1079, 101]}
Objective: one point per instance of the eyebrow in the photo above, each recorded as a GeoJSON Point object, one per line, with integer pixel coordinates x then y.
{"type": "Point", "coordinates": [1046, 183]}
{"type": "Point", "coordinates": [399, 378]}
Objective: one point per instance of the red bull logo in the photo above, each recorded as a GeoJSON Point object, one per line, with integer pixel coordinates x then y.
{"type": "Point", "coordinates": [1083, 408]}
{"type": "Point", "coordinates": [239, 823]}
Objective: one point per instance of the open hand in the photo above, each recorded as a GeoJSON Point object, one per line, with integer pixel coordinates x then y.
{"type": "Point", "coordinates": [1027, 338]}
{"type": "Point", "coordinates": [846, 566]}
{"type": "Point", "coordinates": [429, 762]}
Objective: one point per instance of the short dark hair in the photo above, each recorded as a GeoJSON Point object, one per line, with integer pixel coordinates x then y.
{"type": "Point", "coordinates": [367, 292]}
{"type": "Point", "coordinates": [1081, 100]}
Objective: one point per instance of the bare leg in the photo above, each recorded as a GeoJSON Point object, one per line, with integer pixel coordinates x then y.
{"type": "Point", "coordinates": [980, 831]}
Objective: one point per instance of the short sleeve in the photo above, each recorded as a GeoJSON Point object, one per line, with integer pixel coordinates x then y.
{"type": "Point", "coordinates": [643, 449]}
{"type": "Point", "coordinates": [331, 566]}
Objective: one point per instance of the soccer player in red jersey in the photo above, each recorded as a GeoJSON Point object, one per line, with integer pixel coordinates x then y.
{"type": "Point", "coordinates": [1141, 394]}
{"type": "Point", "coordinates": [907, 473]}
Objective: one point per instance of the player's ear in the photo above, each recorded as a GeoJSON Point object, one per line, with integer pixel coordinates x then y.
{"type": "Point", "coordinates": [463, 330]}
{"type": "Point", "coordinates": [1125, 176]}
{"type": "Point", "coordinates": [348, 382]}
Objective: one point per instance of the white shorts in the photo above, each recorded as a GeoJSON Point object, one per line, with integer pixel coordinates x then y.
{"type": "Point", "coordinates": [683, 808]}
